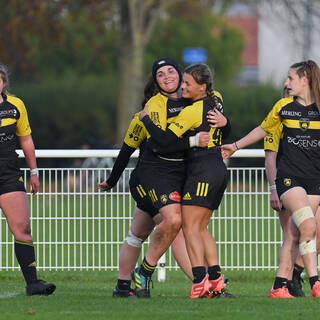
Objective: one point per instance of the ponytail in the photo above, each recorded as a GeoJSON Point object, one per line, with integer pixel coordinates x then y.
{"type": "Point", "coordinates": [311, 71]}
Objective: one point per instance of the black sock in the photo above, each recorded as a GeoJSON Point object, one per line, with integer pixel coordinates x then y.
{"type": "Point", "coordinates": [214, 272]}
{"type": "Point", "coordinates": [312, 280]}
{"type": "Point", "coordinates": [124, 284]}
{"type": "Point", "coordinates": [280, 282]}
{"type": "Point", "coordinates": [198, 274]}
{"type": "Point", "coordinates": [146, 269]}
{"type": "Point", "coordinates": [297, 270]}
{"type": "Point", "coordinates": [24, 251]}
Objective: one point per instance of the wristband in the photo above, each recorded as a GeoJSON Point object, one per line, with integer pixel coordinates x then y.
{"type": "Point", "coordinates": [235, 143]}
{"type": "Point", "coordinates": [34, 171]}
{"type": "Point", "coordinates": [194, 140]}
{"type": "Point", "coordinates": [273, 187]}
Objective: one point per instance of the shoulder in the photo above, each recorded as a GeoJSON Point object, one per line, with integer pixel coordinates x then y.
{"type": "Point", "coordinates": [15, 101]}
{"type": "Point", "coordinates": [283, 102]}
{"type": "Point", "coordinates": [158, 98]}
{"type": "Point", "coordinates": [218, 94]}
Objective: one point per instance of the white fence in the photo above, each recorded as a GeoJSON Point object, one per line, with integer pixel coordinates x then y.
{"type": "Point", "coordinates": [75, 226]}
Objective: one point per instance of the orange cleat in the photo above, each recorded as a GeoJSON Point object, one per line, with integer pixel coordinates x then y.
{"type": "Point", "coordinates": [316, 289]}
{"type": "Point", "coordinates": [282, 292]}
{"type": "Point", "coordinates": [219, 284]}
{"type": "Point", "coordinates": [201, 290]}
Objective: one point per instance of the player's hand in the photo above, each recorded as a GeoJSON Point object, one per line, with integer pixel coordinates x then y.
{"type": "Point", "coordinates": [144, 112]}
{"type": "Point", "coordinates": [216, 119]}
{"type": "Point", "coordinates": [204, 139]}
{"type": "Point", "coordinates": [227, 150]}
{"type": "Point", "coordinates": [35, 184]}
{"type": "Point", "coordinates": [274, 201]}
{"type": "Point", "coordinates": [103, 186]}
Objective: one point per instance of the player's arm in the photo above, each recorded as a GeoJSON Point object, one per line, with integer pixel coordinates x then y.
{"type": "Point", "coordinates": [271, 171]}
{"type": "Point", "coordinates": [27, 146]}
{"type": "Point", "coordinates": [118, 167]}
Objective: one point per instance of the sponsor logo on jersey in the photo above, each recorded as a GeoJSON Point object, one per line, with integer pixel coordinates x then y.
{"type": "Point", "coordinates": [304, 142]}
{"type": "Point", "coordinates": [175, 196]}
{"type": "Point", "coordinates": [287, 182]}
{"type": "Point", "coordinates": [164, 198]}
{"type": "Point", "coordinates": [304, 124]}
{"type": "Point", "coordinates": [291, 113]}
{"type": "Point", "coordinates": [175, 109]}
{"type": "Point", "coordinates": [187, 196]}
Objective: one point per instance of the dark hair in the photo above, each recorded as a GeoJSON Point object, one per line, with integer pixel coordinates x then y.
{"type": "Point", "coordinates": [5, 77]}
{"type": "Point", "coordinates": [166, 61]}
{"type": "Point", "coordinates": [202, 74]}
{"type": "Point", "coordinates": [285, 92]}
{"type": "Point", "coordinates": [150, 90]}
{"type": "Point", "coordinates": [311, 71]}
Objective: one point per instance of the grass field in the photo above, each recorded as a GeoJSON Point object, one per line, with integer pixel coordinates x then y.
{"type": "Point", "coordinates": [86, 295]}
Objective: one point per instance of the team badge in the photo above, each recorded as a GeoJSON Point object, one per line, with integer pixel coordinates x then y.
{"type": "Point", "coordinates": [164, 198]}
{"type": "Point", "coordinates": [287, 182]}
{"type": "Point", "coordinates": [175, 196]}
{"type": "Point", "coordinates": [304, 123]}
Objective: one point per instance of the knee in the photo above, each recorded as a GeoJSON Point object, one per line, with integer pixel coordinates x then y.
{"type": "Point", "coordinates": [22, 232]}
{"type": "Point", "coordinates": [134, 240]}
{"type": "Point", "coordinates": [173, 223]}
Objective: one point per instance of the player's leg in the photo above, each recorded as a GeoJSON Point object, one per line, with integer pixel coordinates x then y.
{"type": "Point", "coordinates": [141, 226]}
{"type": "Point", "coordinates": [180, 253]}
{"type": "Point", "coordinates": [303, 208]}
{"type": "Point", "coordinates": [161, 239]}
{"type": "Point", "coordinates": [15, 208]}
{"type": "Point", "coordinates": [192, 224]}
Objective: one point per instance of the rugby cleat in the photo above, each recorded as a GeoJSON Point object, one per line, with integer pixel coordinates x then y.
{"type": "Point", "coordinates": [316, 289]}
{"type": "Point", "coordinates": [40, 287]}
{"type": "Point", "coordinates": [118, 293]}
{"type": "Point", "coordinates": [219, 288]}
{"type": "Point", "coordinates": [295, 286]}
{"type": "Point", "coordinates": [142, 283]}
{"type": "Point", "coordinates": [201, 290]}
{"type": "Point", "coordinates": [219, 284]}
{"type": "Point", "coordinates": [282, 293]}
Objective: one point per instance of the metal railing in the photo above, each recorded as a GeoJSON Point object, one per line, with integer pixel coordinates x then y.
{"type": "Point", "coordinates": [75, 226]}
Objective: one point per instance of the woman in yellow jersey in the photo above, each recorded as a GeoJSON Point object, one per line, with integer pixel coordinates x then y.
{"type": "Point", "coordinates": [13, 198]}
{"type": "Point", "coordinates": [206, 176]}
{"type": "Point", "coordinates": [298, 169]}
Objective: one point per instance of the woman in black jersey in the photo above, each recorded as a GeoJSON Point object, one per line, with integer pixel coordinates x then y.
{"type": "Point", "coordinates": [163, 173]}
{"type": "Point", "coordinates": [145, 215]}
{"type": "Point", "coordinates": [206, 176]}
{"type": "Point", "coordinates": [13, 198]}
{"type": "Point", "coordinates": [298, 169]}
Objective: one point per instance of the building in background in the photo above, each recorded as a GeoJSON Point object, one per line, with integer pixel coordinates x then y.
{"type": "Point", "coordinates": [277, 35]}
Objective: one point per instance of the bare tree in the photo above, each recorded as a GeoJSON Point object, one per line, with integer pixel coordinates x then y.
{"type": "Point", "coordinates": [138, 19]}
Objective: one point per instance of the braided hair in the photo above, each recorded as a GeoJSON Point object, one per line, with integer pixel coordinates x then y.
{"type": "Point", "coordinates": [202, 74]}
{"type": "Point", "coordinates": [311, 71]}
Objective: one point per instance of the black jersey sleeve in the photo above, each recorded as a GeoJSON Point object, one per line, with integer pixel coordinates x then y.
{"type": "Point", "coordinates": [226, 129]}
{"type": "Point", "coordinates": [160, 137]}
{"type": "Point", "coordinates": [120, 164]}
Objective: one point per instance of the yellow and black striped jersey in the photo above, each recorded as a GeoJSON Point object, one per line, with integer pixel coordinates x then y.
{"type": "Point", "coordinates": [13, 122]}
{"type": "Point", "coordinates": [136, 133]}
{"type": "Point", "coordinates": [162, 111]}
{"type": "Point", "coordinates": [300, 144]}
{"type": "Point", "coordinates": [194, 118]}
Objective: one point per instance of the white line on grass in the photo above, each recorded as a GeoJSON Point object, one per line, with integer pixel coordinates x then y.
{"type": "Point", "coordinates": [7, 295]}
